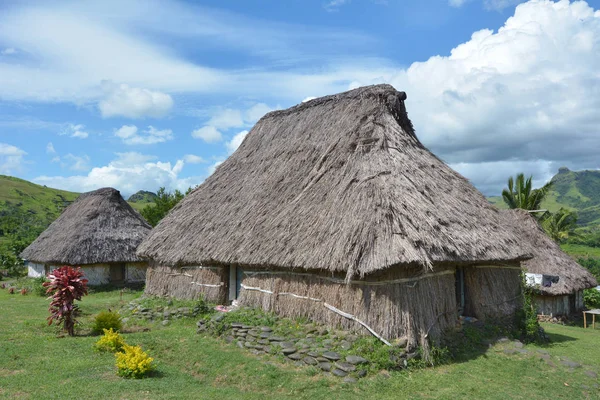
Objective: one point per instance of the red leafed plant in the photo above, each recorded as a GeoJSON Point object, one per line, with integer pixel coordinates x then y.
{"type": "Point", "coordinates": [66, 285]}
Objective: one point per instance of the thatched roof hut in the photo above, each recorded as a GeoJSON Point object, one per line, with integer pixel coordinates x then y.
{"type": "Point", "coordinates": [340, 184]}
{"type": "Point", "coordinates": [337, 189]}
{"type": "Point", "coordinates": [549, 260]}
{"type": "Point", "coordinates": [100, 227]}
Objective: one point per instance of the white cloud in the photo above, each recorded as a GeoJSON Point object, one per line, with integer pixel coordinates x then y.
{"type": "Point", "coordinates": [495, 5]}
{"type": "Point", "coordinates": [334, 5]}
{"type": "Point", "coordinates": [130, 102]}
{"type": "Point", "coordinates": [235, 142]}
{"type": "Point", "coordinates": [214, 166]}
{"type": "Point", "coordinates": [309, 98]}
{"type": "Point", "coordinates": [209, 134]}
{"type": "Point", "coordinates": [129, 135]}
{"type": "Point", "coordinates": [77, 163]}
{"type": "Point", "coordinates": [75, 130]}
{"type": "Point", "coordinates": [50, 148]}
{"type": "Point", "coordinates": [128, 172]}
{"type": "Point", "coordinates": [225, 119]}
{"type": "Point", "coordinates": [8, 51]}
{"type": "Point", "coordinates": [193, 159]}
{"type": "Point", "coordinates": [457, 3]}
{"type": "Point", "coordinates": [11, 159]}
{"type": "Point", "coordinates": [256, 112]}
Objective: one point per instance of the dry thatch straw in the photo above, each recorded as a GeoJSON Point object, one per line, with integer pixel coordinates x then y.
{"type": "Point", "coordinates": [99, 227]}
{"type": "Point", "coordinates": [548, 258]}
{"type": "Point", "coordinates": [341, 184]}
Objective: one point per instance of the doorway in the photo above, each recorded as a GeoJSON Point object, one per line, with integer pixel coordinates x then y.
{"type": "Point", "coordinates": [117, 273]}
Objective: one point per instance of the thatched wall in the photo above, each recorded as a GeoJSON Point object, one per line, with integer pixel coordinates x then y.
{"type": "Point", "coordinates": [186, 282]}
{"type": "Point", "coordinates": [135, 272]}
{"type": "Point", "coordinates": [560, 305]}
{"type": "Point", "coordinates": [492, 292]}
{"type": "Point", "coordinates": [412, 309]}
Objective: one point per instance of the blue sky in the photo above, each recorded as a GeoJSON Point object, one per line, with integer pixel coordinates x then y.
{"type": "Point", "coordinates": [157, 93]}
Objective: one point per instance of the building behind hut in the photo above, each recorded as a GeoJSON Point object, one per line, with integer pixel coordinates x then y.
{"type": "Point", "coordinates": [99, 232]}
{"type": "Point", "coordinates": [557, 279]}
{"type": "Point", "coordinates": [335, 206]}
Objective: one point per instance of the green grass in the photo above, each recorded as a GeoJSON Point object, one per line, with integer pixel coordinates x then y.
{"type": "Point", "coordinates": [580, 250]}
{"type": "Point", "coordinates": [36, 363]}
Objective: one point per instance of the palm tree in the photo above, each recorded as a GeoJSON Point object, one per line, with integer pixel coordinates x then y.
{"type": "Point", "coordinates": [520, 194]}
{"type": "Point", "coordinates": [560, 225]}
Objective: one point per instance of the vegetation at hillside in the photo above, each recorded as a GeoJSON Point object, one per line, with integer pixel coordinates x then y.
{"type": "Point", "coordinates": [162, 204]}
{"type": "Point", "coordinates": [142, 196]}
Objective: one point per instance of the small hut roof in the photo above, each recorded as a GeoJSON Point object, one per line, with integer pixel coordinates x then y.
{"type": "Point", "coordinates": [548, 258]}
{"type": "Point", "coordinates": [340, 183]}
{"type": "Point", "coordinates": [98, 227]}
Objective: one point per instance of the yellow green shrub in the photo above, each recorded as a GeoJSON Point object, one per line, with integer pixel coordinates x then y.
{"type": "Point", "coordinates": [132, 362]}
{"type": "Point", "coordinates": [111, 341]}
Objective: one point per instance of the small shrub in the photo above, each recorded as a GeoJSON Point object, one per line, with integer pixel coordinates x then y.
{"type": "Point", "coordinates": [23, 291]}
{"type": "Point", "coordinates": [38, 286]}
{"type": "Point", "coordinates": [591, 298]}
{"type": "Point", "coordinates": [133, 362]}
{"type": "Point", "coordinates": [107, 320]}
{"type": "Point", "coordinates": [111, 341]}
{"type": "Point", "coordinates": [66, 285]}
{"type": "Point", "coordinates": [11, 290]}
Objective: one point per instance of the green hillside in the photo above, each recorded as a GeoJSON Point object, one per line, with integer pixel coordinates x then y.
{"type": "Point", "coordinates": [574, 190]}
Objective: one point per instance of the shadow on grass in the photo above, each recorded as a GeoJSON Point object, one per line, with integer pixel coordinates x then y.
{"type": "Point", "coordinates": [112, 287]}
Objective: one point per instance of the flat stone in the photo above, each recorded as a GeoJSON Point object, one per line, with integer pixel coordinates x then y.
{"type": "Point", "coordinates": [276, 339]}
{"type": "Point", "coordinates": [249, 345]}
{"type": "Point", "coordinates": [518, 344]}
{"type": "Point", "coordinates": [332, 355]}
{"type": "Point", "coordinates": [247, 327]}
{"type": "Point", "coordinates": [328, 342]}
{"type": "Point", "coordinates": [312, 354]}
{"type": "Point", "coordinates": [229, 339]}
{"type": "Point", "coordinates": [268, 349]}
{"type": "Point", "coordinates": [322, 359]}
{"type": "Point", "coordinates": [350, 379]}
{"type": "Point", "coordinates": [240, 344]}
{"type": "Point", "coordinates": [265, 335]}
{"type": "Point", "coordinates": [345, 345]}
{"type": "Point", "coordinates": [310, 361]}
{"type": "Point", "coordinates": [200, 323]}
{"type": "Point", "coordinates": [356, 360]}
{"type": "Point", "coordinates": [286, 344]}
{"type": "Point", "coordinates": [256, 352]}
{"type": "Point", "coordinates": [254, 333]}
{"type": "Point", "coordinates": [591, 374]}
{"type": "Point", "coordinates": [523, 351]}
{"type": "Point", "coordinates": [263, 342]}
{"type": "Point", "coordinates": [288, 350]}
{"type": "Point", "coordinates": [570, 364]}
{"type": "Point", "coordinates": [325, 366]}
{"type": "Point", "coordinates": [362, 373]}
{"type": "Point", "coordinates": [503, 340]}
{"type": "Point", "coordinates": [344, 366]}
{"type": "Point", "coordinates": [295, 356]}
{"type": "Point", "coordinates": [541, 351]}
{"type": "Point", "coordinates": [339, 372]}
{"type": "Point", "coordinates": [298, 364]}
{"type": "Point", "coordinates": [165, 322]}
{"type": "Point", "coordinates": [509, 351]}
{"type": "Point", "coordinates": [303, 351]}
{"type": "Point", "coordinates": [266, 329]}
{"type": "Point", "coordinates": [236, 325]}
{"type": "Point", "coordinates": [321, 350]}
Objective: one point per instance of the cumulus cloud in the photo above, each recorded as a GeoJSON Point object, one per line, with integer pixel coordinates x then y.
{"type": "Point", "coordinates": [75, 130]}
{"type": "Point", "coordinates": [309, 98]}
{"type": "Point", "coordinates": [77, 163]}
{"type": "Point", "coordinates": [209, 134]}
{"type": "Point", "coordinates": [8, 51]}
{"type": "Point", "coordinates": [529, 93]}
{"type": "Point", "coordinates": [50, 148]}
{"type": "Point", "coordinates": [11, 159]}
{"type": "Point", "coordinates": [193, 159]}
{"type": "Point", "coordinates": [125, 101]}
{"type": "Point", "coordinates": [128, 172]}
{"type": "Point", "coordinates": [235, 142]}
{"type": "Point", "coordinates": [256, 112]}
{"type": "Point", "coordinates": [129, 135]}
{"type": "Point", "coordinates": [334, 5]}
{"type": "Point", "coordinates": [227, 118]}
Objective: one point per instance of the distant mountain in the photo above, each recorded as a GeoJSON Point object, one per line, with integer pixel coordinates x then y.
{"type": "Point", "coordinates": [574, 190]}
{"type": "Point", "coordinates": [142, 196]}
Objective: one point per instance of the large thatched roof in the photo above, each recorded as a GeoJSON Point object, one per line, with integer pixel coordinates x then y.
{"type": "Point", "coordinates": [98, 227]}
{"type": "Point", "coordinates": [548, 258]}
{"type": "Point", "coordinates": [339, 183]}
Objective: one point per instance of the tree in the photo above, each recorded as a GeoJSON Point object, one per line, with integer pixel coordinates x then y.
{"type": "Point", "coordinates": [520, 193]}
{"type": "Point", "coordinates": [560, 225]}
{"type": "Point", "coordinates": [163, 203]}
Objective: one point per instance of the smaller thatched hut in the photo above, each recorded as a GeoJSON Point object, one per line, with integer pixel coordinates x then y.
{"type": "Point", "coordinates": [99, 232]}
{"type": "Point", "coordinates": [559, 281]}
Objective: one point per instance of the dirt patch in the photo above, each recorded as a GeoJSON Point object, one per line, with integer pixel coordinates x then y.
{"type": "Point", "coordinates": [10, 372]}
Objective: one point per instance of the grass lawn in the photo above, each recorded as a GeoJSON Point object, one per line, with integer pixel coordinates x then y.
{"type": "Point", "coordinates": [36, 363]}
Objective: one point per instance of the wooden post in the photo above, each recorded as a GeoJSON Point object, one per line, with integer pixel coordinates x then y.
{"type": "Point", "coordinates": [584, 320]}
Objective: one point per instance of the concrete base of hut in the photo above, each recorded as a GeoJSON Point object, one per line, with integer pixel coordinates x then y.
{"type": "Point", "coordinates": [404, 302]}
{"type": "Point", "coordinates": [97, 274]}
